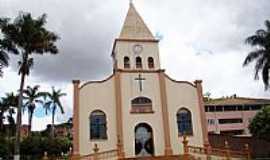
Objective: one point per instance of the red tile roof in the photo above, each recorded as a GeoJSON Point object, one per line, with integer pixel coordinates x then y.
{"type": "Point", "coordinates": [236, 101]}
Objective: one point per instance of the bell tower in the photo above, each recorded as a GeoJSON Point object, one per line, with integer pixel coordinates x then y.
{"type": "Point", "coordinates": [136, 48]}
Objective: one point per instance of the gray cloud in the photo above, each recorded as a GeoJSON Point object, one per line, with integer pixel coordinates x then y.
{"type": "Point", "coordinates": [191, 28]}
{"type": "Point", "coordinates": [88, 28]}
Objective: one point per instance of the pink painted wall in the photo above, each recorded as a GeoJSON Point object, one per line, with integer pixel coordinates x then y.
{"type": "Point", "coordinates": [245, 115]}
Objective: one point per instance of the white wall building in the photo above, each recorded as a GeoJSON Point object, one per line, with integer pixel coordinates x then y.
{"type": "Point", "coordinates": [138, 109]}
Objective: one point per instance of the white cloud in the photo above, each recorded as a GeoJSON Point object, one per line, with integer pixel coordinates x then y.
{"type": "Point", "coordinates": [203, 39]}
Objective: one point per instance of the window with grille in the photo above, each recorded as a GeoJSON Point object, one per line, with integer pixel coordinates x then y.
{"type": "Point", "coordinates": [184, 122]}
{"type": "Point", "coordinates": [141, 105]}
{"type": "Point", "coordinates": [98, 128]}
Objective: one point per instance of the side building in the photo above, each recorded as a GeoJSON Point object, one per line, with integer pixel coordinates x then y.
{"type": "Point", "coordinates": [232, 115]}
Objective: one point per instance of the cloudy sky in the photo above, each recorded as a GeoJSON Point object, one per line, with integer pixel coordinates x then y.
{"type": "Point", "coordinates": [201, 39]}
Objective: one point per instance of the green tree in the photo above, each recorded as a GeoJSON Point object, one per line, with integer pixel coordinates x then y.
{"type": "Point", "coordinates": [260, 124]}
{"type": "Point", "coordinates": [261, 53]}
{"type": "Point", "coordinates": [5, 47]}
{"type": "Point", "coordinates": [3, 147]}
{"type": "Point", "coordinates": [32, 97]}
{"type": "Point", "coordinates": [3, 61]}
{"type": "Point", "coordinates": [53, 103]}
{"type": "Point", "coordinates": [26, 36]}
{"type": "Point", "coordinates": [3, 108]}
{"type": "Point", "coordinates": [7, 104]}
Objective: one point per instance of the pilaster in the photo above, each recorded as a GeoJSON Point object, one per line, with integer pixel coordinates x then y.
{"type": "Point", "coordinates": [119, 119]}
{"type": "Point", "coordinates": [76, 90]}
{"type": "Point", "coordinates": [198, 84]}
{"type": "Point", "coordinates": [165, 114]}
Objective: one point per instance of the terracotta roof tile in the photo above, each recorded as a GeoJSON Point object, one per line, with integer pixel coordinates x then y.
{"type": "Point", "coordinates": [237, 101]}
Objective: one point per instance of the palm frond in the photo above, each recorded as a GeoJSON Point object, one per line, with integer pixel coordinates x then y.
{"type": "Point", "coordinates": [9, 46]}
{"type": "Point", "coordinates": [259, 66]}
{"type": "Point", "coordinates": [35, 88]}
{"type": "Point", "coordinates": [60, 106]}
{"type": "Point", "coordinates": [42, 94]}
{"type": "Point", "coordinates": [265, 75]}
{"type": "Point", "coordinates": [261, 54]}
{"type": "Point", "coordinates": [4, 22]}
{"type": "Point", "coordinates": [47, 106]}
{"type": "Point", "coordinates": [255, 40]}
{"type": "Point", "coordinates": [267, 24]}
{"type": "Point", "coordinates": [253, 55]}
{"type": "Point", "coordinates": [39, 101]}
{"type": "Point", "coordinates": [4, 58]}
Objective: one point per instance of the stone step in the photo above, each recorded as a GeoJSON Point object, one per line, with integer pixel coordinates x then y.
{"type": "Point", "coordinates": [174, 157]}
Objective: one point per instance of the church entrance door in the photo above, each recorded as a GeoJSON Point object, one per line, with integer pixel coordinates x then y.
{"type": "Point", "coordinates": [144, 145]}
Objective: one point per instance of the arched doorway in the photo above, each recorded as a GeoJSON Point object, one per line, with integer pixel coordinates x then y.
{"type": "Point", "coordinates": [144, 145]}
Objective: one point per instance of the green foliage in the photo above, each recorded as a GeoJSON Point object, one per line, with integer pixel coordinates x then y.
{"type": "Point", "coordinates": [35, 146]}
{"type": "Point", "coordinates": [7, 105]}
{"type": "Point", "coordinates": [25, 35]}
{"type": "Point", "coordinates": [32, 145]}
{"type": "Point", "coordinates": [3, 147]}
{"type": "Point", "coordinates": [6, 147]}
{"type": "Point", "coordinates": [260, 125]}
{"type": "Point", "coordinates": [53, 104]}
{"type": "Point", "coordinates": [55, 146]}
{"type": "Point", "coordinates": [32, 97]}
{"type": "Point", "coordinates": [261, 53]}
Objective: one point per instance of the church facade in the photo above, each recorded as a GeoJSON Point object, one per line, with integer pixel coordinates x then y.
{"type": "Point", "coordinates": [138, 109]}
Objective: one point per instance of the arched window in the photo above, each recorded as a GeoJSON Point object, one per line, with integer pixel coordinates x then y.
{"type": "Point", "coordinates": [126, 62]}
{"type": "Point", "coordinates": [151, 62]}
{"type": "Point", "coordinates": [138, 62]}
{"type": "Point", "coordinates": [184, 122]}
{"type": "Point", "coordinates": [98, 126]}
{"type": "Point", "coordinates": [141, 105]}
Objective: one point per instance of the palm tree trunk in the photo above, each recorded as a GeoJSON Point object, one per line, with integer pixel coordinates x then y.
{"type": "Point", "coordinates": [1, 122]}
{"type": "Point", "coordinates": [19, 120]}
{"type": "Point", "coordinates": [30, 123]}
{"type": "Point", "coordinates": [52, 130]}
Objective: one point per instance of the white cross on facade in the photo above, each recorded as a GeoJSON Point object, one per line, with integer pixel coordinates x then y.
{"type": "Point", "coordinates": [140, 79]}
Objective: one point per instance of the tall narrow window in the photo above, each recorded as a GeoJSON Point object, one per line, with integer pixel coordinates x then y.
{"type": "Point", "coordinates": [98, 128]}
{"type": "Point", "coordinates": [184, 122]}
{"type": "Point", "coordinates": [138, 62]}
{"type": "Point", "coordinates": [151, 62]}
{"type": "Point", "coordinates": [126, 62]}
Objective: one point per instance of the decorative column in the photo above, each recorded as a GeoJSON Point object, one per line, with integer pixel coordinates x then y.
{"type": "Point", "coordinates": [119, 119]}
{"type": "Point", "coordinates": [165, 114]}
{"type": "Point", "coordinates": [76, 90]}
{"type": "Point", "coordinates": [198, 84]}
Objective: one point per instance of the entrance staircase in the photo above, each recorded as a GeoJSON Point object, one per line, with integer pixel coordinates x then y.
{"type": "Point", "coordinates": [173, 157]}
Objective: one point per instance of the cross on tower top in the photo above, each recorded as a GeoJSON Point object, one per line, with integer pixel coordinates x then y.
{"type": "Point", "coordinates": [140, 79]}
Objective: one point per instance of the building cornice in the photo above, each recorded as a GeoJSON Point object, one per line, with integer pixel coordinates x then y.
{"type": "Point", "coordinates": [101, 81]}
{"type": "Point", "coordinates": [176, 81]}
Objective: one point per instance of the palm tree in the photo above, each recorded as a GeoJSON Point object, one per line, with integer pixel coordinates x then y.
{"type": "Point", "coordinates": [32, 98]}
{"type": "Point", "coordinates": [8, 103]}
{"type": "Point", "coordinates": [3, 108]}
{"type": "Point", "coordinates": [5, 46]}
{"type": "Point", "coordinates": [26, 36]}
{"type": "Point", "coordinates": [52, 104]}
{"type": "Point", "coordinates": [261, 54]}
{"type": "Point", "coordinates": [3, 61]}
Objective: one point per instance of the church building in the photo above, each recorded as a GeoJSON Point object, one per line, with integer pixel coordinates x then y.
{"type": "Point", "coordinates": [139, 109]}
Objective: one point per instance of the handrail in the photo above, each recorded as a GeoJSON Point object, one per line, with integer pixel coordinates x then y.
{"type": "Point", "coordinates": [216, 151]}
{"type": "Point", "coordinates": [102, 155]}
